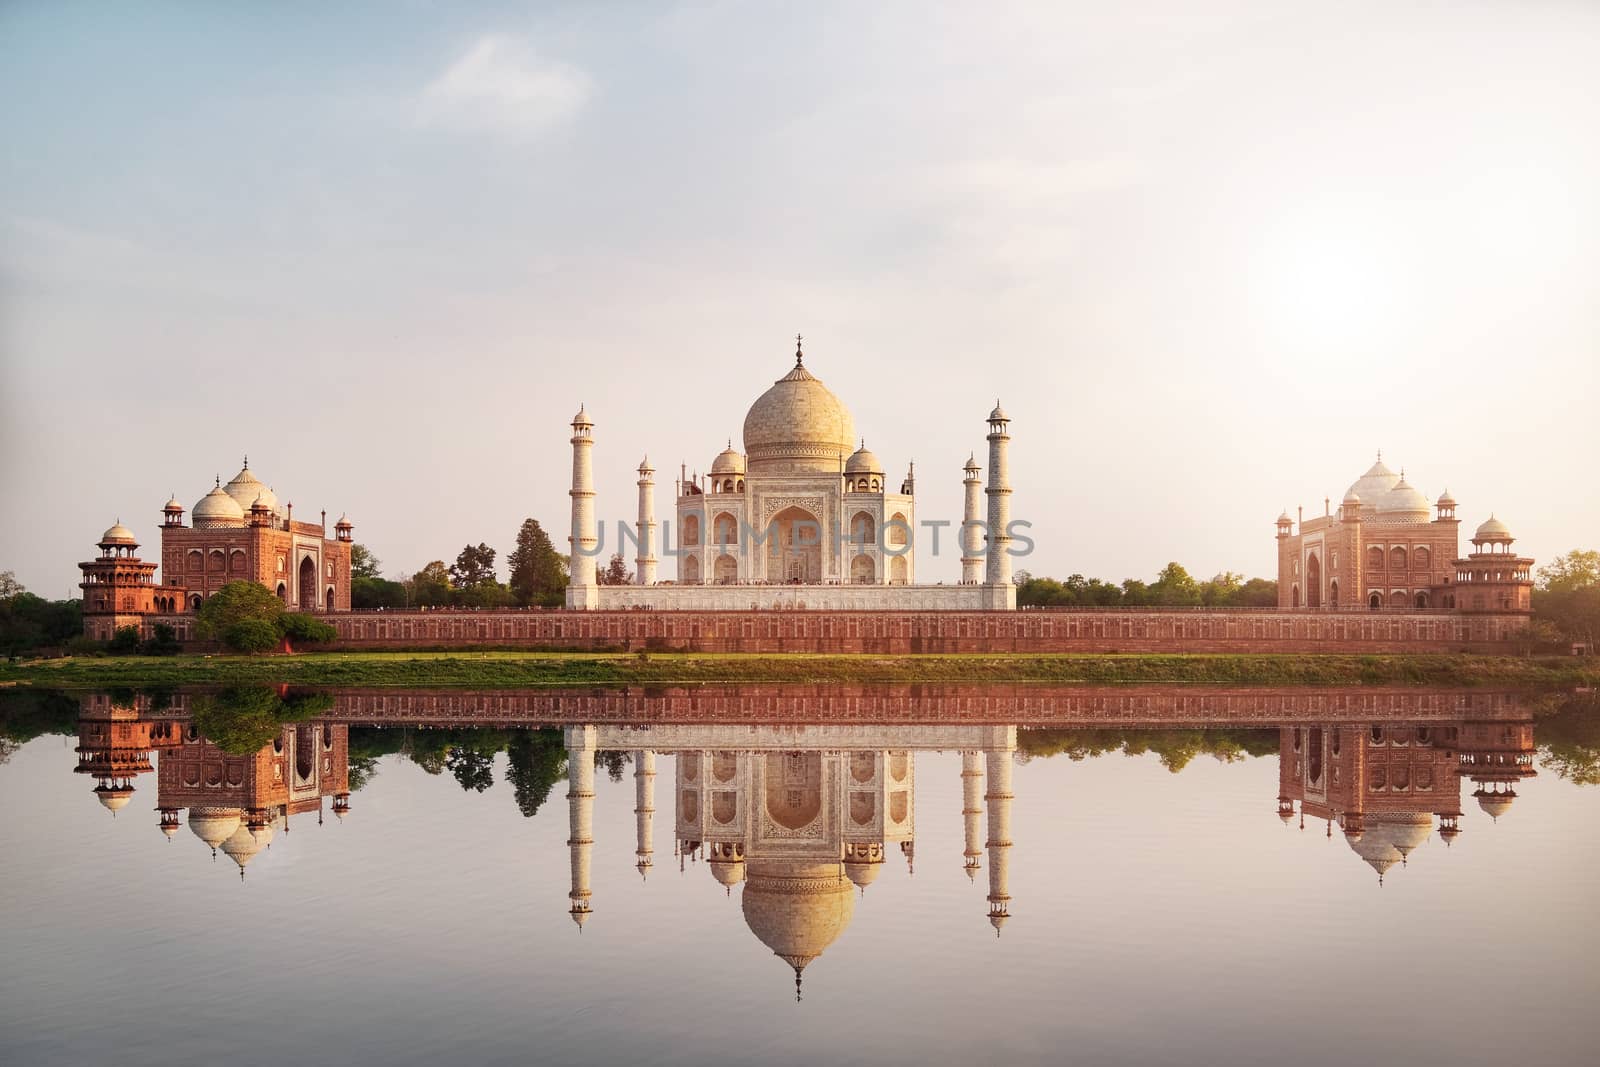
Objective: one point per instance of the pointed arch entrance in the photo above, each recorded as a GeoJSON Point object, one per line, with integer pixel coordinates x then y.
{"type": "Point", "coordinates": [308, 584]}
{"type": "Point", "coordinates": [794, 546]}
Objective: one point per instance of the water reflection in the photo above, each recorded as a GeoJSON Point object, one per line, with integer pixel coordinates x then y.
{"type": "Point", "coordinates": [235, 802]}
{"type": "Point", "coordinates": [803, 817]}
{"type": "Point", "coordinates": [1385, 783]}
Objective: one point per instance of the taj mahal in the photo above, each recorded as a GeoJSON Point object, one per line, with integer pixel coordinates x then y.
{"type": "Point", "coordinates": [805, 517]}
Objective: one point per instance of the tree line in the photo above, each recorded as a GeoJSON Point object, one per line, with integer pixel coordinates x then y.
{"type": "Point", "coordinates": [1173, 587]}
{"type": "Point", "coordinates": [538, 577]}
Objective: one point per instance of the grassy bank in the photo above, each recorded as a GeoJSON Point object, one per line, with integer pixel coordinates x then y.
{"type": "Point", "coordinates": [523, 669]}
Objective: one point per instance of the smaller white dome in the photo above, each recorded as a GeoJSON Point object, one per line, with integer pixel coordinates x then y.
{"type": "Point", "coordinates": [728, 872]}
{"type": "Point", "coordinates": [1446, 500]}
{"type": "Point", "coordinates": [113, 800]}
{"type": "Point", "coordinates": [728, 461]}
{"type": "Point", "coordinates": [1405, 503]}
{"type": "Point", "coordinates": [1493, 530]}
{"type": "Point", "coordinates": [863, 461]}
{"type": "Point", "coordinates": [998, 414]}
{"type": "Point", "coordinates": [243, 844]}
{"type": "Point", "coordinates": [1352, 497]}
{"type": "Point", "coordinates": [582, 417]}
{"type": "Point", "coordinates": [213, 825]}
{"type": "Point", "coordinates": [972, 463]}
{"type": "Point", "coordinates": [1495, 805]}
{"type": "Point", "coordinates": [217, 508]}
{"type": "Point", "coordinates": [118, 535]}
{"type": "Point", "coordinates": [172, 504]}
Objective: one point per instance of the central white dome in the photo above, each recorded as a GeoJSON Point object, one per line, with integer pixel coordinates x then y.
{"type": "Point", "coordinates": [798, 425]}
{"type": "Point", "coordinates": [1373, 485]}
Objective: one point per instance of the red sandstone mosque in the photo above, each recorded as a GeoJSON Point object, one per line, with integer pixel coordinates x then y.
{"type": "Point", "coordinates": [239, 532]}
{"type": "Point", "coordinates": [1385, 548]}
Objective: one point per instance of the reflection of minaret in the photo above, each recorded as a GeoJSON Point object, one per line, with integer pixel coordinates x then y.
{"type": "Point", "coordinates": [644, 807]}
{"type": "Point", "coordinates": [998, 798]}
{"type": "Point", "coordinates": [580, 815]}
{"type": "Point", "coordinates": [971, 808]}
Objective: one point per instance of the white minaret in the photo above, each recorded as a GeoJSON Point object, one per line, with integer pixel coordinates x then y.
{"type": "Point", "coordinates": [644, 807]}
{"type": "Point", "coordinates": [971, 806]}
{"type": "Point", "coordinates": [997, 572]}
{"type": "Point", "coordinates": [580, 742]}
{"type": "Point", "coordinates": [582, 593]}
{"type": "Point", "coordinates": [998, 799]}
{"type": "Point", "coordinates": [644, 564]}
{"type": "Point", "coordinates": [972, 527]}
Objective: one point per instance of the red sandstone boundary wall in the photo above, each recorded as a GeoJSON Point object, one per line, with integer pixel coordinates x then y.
{"type": "Point", "coordinates": [897, 632]}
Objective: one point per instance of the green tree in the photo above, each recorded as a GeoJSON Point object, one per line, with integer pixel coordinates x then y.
{"type": "Point", "coordinates": [234, 603]}
{"type": "Point", "coordinates": [473, 567]}
{"type": "Point", "coordinates": [1577, 569]}
{"type": "Point", "coordinates": [538, 571]}
{"type": "Point", "coordinates": [370, 594]}
{"type": "Point", "coordinates": [613, 573]}
{"type": "Point", "coordinates": [535, 761]}
{"type": "Point", "coordinates": [1174, 587]}
{"type": "Point", "coordinates": [1221, 590]}
{"type": "Point", "coordinates": [430, 587]}
{"type": "Point", "coordinates": [9, 586]}
{"type": "Point", "coordinates": [1569, 739]}
{"type": "Point", "coordinates": [1257, 593]}
{"type": "Point", "coordinates": [471, 766]}
{"type": "Point", "coordinates": [125, 642]}
{"type": "Point", "coordinates": [240, 720]}
{"type": "Point", "coordinates": [29, 623]}
{"type": "Point", "coordinates": [613, 761]}
{"type": "Point", "coordinates": [251, 636]}
{"type": "Point", "coordinates": [363, 564]}
{"type": "Point", "coordinates": [1568, 596]}
{"type": "Point", "coordinates": [303, 629]}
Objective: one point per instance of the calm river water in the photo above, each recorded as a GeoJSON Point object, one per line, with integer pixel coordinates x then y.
{"type": "Point", "coordinates": [715, 875]}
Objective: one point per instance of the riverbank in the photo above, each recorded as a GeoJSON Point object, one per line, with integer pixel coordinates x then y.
{"type": "Point", "coordinates": [524, 669]}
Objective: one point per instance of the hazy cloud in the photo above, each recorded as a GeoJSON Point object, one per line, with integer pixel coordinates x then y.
{"type": "Point", "coordinates": [502, 86]}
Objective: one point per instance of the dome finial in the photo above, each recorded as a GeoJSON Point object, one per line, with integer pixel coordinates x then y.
{"type": "Point", "coordinates": [216, 481]}
{"type": "Point", "coordinates": [247, 461]}
{"type": "Point", "coordinates": [798, 354]}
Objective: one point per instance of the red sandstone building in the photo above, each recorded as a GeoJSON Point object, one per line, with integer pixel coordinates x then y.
{"type": "Point", "coordinates": [239, 533]}
{"type": "Point", "coordinates": [1385, 548]}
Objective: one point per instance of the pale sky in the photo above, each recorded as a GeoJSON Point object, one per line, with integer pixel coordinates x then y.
{"type": "Point", "coordinates": [1209, 265]}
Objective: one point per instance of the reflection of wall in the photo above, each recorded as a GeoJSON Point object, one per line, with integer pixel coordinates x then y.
{"type": "Point", "coordinates": [948, 710]}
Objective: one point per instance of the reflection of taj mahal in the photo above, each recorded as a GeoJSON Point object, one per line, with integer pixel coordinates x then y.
{"type": "Point", "coordinates": [806, 516]}
{"type": "Point", "coordinates": [800, 817]}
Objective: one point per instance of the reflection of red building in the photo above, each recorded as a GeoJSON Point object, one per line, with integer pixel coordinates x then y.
{"type": "Point", "coordinates": [235, 803]}
{"type": "Point", "coordinates": [1384, 783]}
